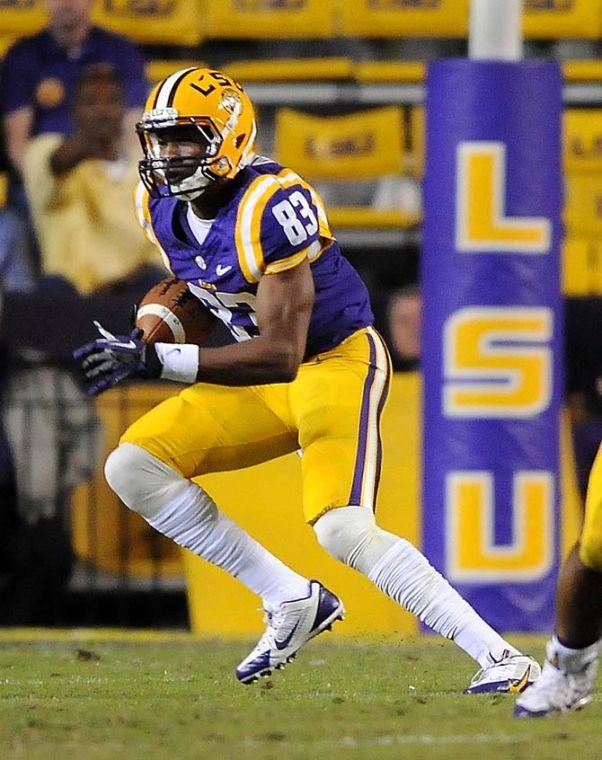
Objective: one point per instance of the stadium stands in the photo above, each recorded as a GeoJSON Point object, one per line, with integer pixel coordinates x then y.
{"type": "Point", "coordinates": [391, 18]}
{"type": "Point", "coordinates": [162, 22]}
{"type": "Point", "coordinates": [582, 268]}
{"type": "Point", "coordinates": [365, 145]}
{"type": "Point", "coordinates": [159, 69]}
{"type": "Point", "coordinates": [583, 212]}
{"type": "Point", "coordinates": [158, 22]}
{"type": "Point", "coordinates": [185, 22]}
{"type": "Point", "coordinates": [134, 548]}
{"type": "Point", "coordinates": [417, 141]}
{"type": "Point", "coordinates": [21, 18]}
{"type": "Point", "coordinates": [583, 141]}
{"type": "Point", "coordinates": [582, 71]}
{"type": "Point", "coordinates": [552, 19]}
{"type": "Point", "coordinates": [292, 69]}
{"type": "Point", "coordinates": [253, 19]}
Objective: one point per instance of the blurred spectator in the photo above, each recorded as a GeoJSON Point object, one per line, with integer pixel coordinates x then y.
{"type": "Point", "coordinates": [403, 325]}
{"type": "Point", "coordinates": [15, 276]}
{"type": "Point", "coordinates": [398, 193]}
{"type": "Point", "coordinates": [16, 270]}
{"type": "Point", "coordinates": [40, 72]}
{"type": "Point", "coordinates": [81, 192]}
{"type": "Point", "coordinates": [54, 438]}
{"type": "Point", "coordinates": [583, 363]}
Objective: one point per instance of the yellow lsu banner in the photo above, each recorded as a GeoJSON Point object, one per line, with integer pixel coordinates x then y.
{"type": "Point", "coordinates": [562, 18]}
{"type": "Point", "coordinates": [21, 17]}
{"type": "Point", "coordinates": [175, 22]}
{"type": "Point", "coordinates": [266, 18]}
{"type": "Point", "coordinates": [581, 268]}
{"type": "Point", "coordinates": [583, 141]}
{"type": "Point", "coordinates": [583, 209]}
{"type": "Point", "coordinates": [363, 145]}
{"type": "Point", "coordinates": [405, 18]}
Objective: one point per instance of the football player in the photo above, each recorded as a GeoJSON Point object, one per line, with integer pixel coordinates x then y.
{"type": "Point", "coordinates": [306, 371]}
{"type": "Point", "coordinates": [568, 674]}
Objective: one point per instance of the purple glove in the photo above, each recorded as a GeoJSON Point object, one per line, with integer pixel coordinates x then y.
{"type": "Point", "coordinates": [110, 360]}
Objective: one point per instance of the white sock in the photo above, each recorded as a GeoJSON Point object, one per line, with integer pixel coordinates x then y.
{"type": "Point", "coordinates": [193, 521]}
{"type": "Point", "coordinates": [570, 660]}
{"type": "Point", "coordinates": [404, 574]}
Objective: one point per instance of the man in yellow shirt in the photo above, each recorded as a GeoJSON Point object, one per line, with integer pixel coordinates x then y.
{"type": "Point", "coordinates": [80, 189]}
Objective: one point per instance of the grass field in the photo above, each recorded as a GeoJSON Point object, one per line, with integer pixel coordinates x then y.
{"type": "Point", "coordinates": [174, 697]}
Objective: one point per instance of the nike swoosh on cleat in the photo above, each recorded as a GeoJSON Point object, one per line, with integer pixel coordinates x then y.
{"type": "Point", "coordinates": [517, 687]}
{"type": "Point", "coordinates": [283, 644]}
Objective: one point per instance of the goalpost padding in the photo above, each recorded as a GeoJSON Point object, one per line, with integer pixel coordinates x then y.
{"type": "Point", "coordinates": [492, 334]}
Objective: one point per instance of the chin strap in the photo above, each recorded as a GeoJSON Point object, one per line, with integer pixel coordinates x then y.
{"type": "Point", "coordinates": [193, 186]}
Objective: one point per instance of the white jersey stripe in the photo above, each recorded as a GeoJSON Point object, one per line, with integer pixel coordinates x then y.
{"type": "Point", "coordinates": [146, 224]}
{"type": "Point", "coordinates": [314, 251]}
{"type": "Point", "coordinates": [142, 221]}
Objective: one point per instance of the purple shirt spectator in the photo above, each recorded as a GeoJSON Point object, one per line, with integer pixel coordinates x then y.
{"type": "Point", "coordinates": [37, 72]}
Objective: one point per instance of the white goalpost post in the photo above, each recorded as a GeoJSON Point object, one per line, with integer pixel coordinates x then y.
{"type": "Point", "coordinates": [496, 32]}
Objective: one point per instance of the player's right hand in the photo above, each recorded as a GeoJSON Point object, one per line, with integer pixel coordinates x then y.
{"type": "Point", "coordinates": [108, 361]}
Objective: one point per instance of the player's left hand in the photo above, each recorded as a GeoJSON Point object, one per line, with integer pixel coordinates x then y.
{"type": "Point", "coordinates": [110, 360]}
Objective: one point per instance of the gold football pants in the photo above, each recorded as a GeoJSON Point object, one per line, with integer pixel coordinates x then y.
{"type": "Point", "coordinates": [591, 539]}
{"type": "Point", "coordinates": [331, 412]}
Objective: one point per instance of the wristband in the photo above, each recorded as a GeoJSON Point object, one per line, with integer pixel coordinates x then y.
{"type": "Point", "coordinates": [180, 362]}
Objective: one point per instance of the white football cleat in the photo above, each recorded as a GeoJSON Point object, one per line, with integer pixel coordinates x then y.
{"type": "Point", "coordinates": [559, 691]}
{"type": "Point", "coordinates": [511, 674]}
{"type": "Point", "coordinates": [289, 627]}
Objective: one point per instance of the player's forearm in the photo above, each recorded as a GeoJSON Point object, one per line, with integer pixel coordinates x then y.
{"type": "Point", "coordinates": [254, 362]}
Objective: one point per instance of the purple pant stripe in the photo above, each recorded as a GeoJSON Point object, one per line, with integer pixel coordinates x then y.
{"type": "Point", "coordinates": [358, 470]}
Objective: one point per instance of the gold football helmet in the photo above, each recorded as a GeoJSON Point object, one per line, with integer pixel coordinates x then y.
{"type": "Point", "coordinates": [209, 119]}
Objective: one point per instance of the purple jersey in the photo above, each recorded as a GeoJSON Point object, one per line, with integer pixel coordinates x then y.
{"type": "Point", "coordinates": [273, 222]}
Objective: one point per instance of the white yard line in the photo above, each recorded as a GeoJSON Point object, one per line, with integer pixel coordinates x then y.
{"type": "Point", "coordinates": [430, 739]}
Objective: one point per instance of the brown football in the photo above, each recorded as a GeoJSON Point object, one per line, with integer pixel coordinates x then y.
{"type": "Point", "coordinates": [169, 313]}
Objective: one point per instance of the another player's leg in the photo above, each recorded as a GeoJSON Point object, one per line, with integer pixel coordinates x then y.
{"type": "Point", "coordinates": [569, 672]}
{"type": "Point", "coordinates": [341, 470]}
{"type": "Point", "coordinates": [186, 439]}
